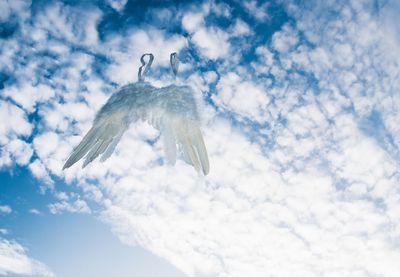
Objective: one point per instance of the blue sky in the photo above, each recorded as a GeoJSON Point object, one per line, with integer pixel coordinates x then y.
{"type": "Point", "coordinates": [299, 105]}
{"type": "Point", "coordinates": [73, 244]}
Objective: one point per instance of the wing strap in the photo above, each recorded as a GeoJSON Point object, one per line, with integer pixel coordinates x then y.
{"type": "Point", "coordinates": [141, 74]}
{"type": "Point", "coordinates": [174, 61]}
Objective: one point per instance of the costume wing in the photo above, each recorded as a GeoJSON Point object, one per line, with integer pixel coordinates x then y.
{"type": "Point", "coordinates": [172, 110]}
{"type": "Point", "coordinates": [128, 104]}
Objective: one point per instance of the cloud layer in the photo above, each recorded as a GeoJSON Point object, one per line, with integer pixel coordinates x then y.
{"type": "Point", "coordinates": [13, 260]}
{"type": "Point", "coordinates": [301, 127]}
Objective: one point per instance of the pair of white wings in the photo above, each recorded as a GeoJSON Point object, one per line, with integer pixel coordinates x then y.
{"type": "Point", "coordinates": [172, 110]}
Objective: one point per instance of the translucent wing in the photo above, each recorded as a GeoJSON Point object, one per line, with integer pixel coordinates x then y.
{"type": "Point", "coordinates": [173, 111]}
{"type": "Point", "coordinates": [126, 105]}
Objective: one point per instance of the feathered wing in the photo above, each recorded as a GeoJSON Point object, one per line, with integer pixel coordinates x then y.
{"type": "Point", "coordinates": [174, 112]}
{"type": "Point", "coordinates": [111, 122]}
{"type": "Point", "coordinates": [103, 134]}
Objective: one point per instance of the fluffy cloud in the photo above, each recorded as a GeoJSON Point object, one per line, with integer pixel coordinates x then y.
{"type": "Point", "coordinates": [212, 42]}
{"type": "Point", "coordinates": [14, 126]}
{"type": "Point", "coordinates": [14, 122]}
{"type": "Point", "coordinates": [27, 96]}
{"type": "Point", "coordinates": [284, 40]}
{"type": "Point", "coordinates": [257, 216]}
{"type": "Point", "coordinates": [5, 209]}
{"type": "Point", "coordinates": [243, 97]}
{"type": "Point", "coordinates": [14, 8]}
{"type": "Point", "coordinates": [260, 12]}
{"type": "Point", "coordinates": [77, 206]}
{"type": "Point", "coordinates": [72, 24]}
{"type": "Point", "coordinates": [192, 21]}
{"type": "Point", "coordinates": [13, 260]}
{"type": "Point", "coordinates": [17, 151]}
{"type": "Point", "coordinates": [241, 28]}
{"type": "Point", "coordinates": [118, 5]}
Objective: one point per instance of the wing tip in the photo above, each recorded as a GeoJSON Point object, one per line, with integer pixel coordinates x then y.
{"type": "Point", "coordinates": [206, 171]}
{"type": "Point", "coordinates": [67, 164]}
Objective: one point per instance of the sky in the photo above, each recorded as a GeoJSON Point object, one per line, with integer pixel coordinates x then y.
{"type": "Point", "coordinates": [300, 109]}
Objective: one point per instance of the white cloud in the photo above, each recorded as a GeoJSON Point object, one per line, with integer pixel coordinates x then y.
{"type": "Point", "coordinates": [243, 97]}
{"type": "Point", "coordinates": [46, 144]}
{"type": "Point", "coordinates": [212, 42]}
{"type": "Point", "coordinates": [266, 60]}
{"type": "Point", "coordinates": [260, 12]}
{"type": "Point", "coordinates": [40, 172]}
{"type": "Point", "coordinates": [118, 5]}
{"type": "Point", "coordinates": [241, 28]}
{"type": "Point", "coordinates": [14, 260]}
{"type": "Point", "coordinates": [12, 8]}
{"type": "Point", "coordinates": [70, 23]}
{"type": "Point", "coordinates": [5, 10]}
{"type": "Point", "coordinates": [388, 17]}
{"type": "Point", "coordinates": [215, 224]}
{"type": "Point", "coordinates": [17, 151]}
{"type": "Point", "coordinates": [14, 122]}
{"type": "Point", "coordinates": [72, 206]}
{"type": "Point", "coordinates": [285, 40]}
{"type": "Point", "coordinates": [210, 77]}
{"type": "Point", "coordinates": [35, 211]}
{"type": "Point", "coordinates": [220, 9]}
{"type": "Point", "coordinates": [193, 21]}
{"type": "Point", "coordinates": [344, 55]}
{"type": "Point", "coordinates": [5, 209]}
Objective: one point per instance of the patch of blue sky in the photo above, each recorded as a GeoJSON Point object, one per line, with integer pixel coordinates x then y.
{"type": "Point", "coordinates": [21, 192]}
{"type": "Point", "coordinates": [55, 239]}
{"type": "Point", "coordinates": [374, 127]}
{"type": "Point", "coordinates": [7, 29]}
{"type": "Point", "coordinates": [138, 14]}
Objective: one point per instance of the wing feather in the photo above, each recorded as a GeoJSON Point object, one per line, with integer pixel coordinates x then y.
{"type": "Point", "coordinates": [192, 146]}
{"type": "Point", "coordinates": [174, 112]}
{"type": "Point", "coordinates": [94, 152]}
{"type": "Point", "coordinates": [111, 147]}
{"type": "Point", "coordinates": [84, 146]}
{"type": "Point", "coordinates": [169, 142]}
{"type": "Point", "coordinates": [200, 148]}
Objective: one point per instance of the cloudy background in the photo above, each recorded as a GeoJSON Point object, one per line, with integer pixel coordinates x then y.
{"type": "Point", "coordinates": [300, 108]}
